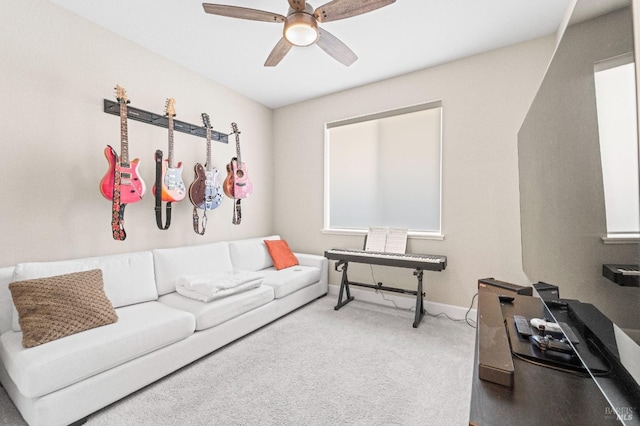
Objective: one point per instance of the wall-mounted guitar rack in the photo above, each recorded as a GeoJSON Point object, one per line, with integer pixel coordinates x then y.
{"type": "Point", "coordinates": [111, 107]}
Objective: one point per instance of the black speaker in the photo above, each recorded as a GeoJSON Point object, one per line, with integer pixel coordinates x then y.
{"type": "Point", "coordinates": [494, 354]}
{"type": "Point", "coordinates": [502, 287]}
{"type": "Point", "coordinates": [547, 291]}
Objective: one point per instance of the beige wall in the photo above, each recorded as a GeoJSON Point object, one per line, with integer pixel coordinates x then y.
{"type": "Point", "coordinates": [55, 71]}
{"type": "Point", "coordinates": [57, 68]}
{"type": "Point", "coordinates": [485, 99]}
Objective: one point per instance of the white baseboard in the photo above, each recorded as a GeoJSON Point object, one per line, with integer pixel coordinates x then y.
{"type": "Point", "coordinates": [406, 302]}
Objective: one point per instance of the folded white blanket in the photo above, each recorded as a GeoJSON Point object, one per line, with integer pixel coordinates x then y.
{"type": "Point", "coordinates": [213, 286]}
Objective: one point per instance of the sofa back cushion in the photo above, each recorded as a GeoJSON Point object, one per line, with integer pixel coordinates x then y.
{"type": "Point", "coordinates": [251, 254]}
{"type": "Point", "coordinates": [128, 278]}
{"type": "Point", "coordinates": [173, 263]}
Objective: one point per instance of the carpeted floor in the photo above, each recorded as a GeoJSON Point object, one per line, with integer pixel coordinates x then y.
{"type": "Point", "coordinates": [362, 365]}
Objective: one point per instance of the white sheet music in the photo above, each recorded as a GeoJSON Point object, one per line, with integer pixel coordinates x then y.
{"type": "Point", "coordinates": [396, 240]}
{"type": "Point", "coordinates": [376, 239]}
{"type": "Point", "coordinates": [388, 240]}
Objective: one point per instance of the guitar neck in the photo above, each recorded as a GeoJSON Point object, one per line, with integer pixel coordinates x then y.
{"type": "Point", "coordinates": [170, 158]}
{"type": "Point", "coordinates": [124, 138]}
{"type": "Point", "coordinates": [238, 149]}
{"type": "Point", "coordinates": [208, 149]}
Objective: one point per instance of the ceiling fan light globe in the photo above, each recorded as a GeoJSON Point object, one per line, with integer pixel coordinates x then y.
{"type": "Point", "coordinates": [301, 35]}
{"type": "Point", "coordinates": [301, 29]}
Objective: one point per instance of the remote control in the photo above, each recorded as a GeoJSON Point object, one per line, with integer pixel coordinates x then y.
{"type": "Point", "coordinates": [522, 325]}
{"type": "Point", "coordinates": [551, 327]}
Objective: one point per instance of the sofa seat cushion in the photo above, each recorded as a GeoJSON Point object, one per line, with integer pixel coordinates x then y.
{"type": "Point", "coordinates": [210, 314]}
{"type": "Point", "coordinates": [141, 329]}
{"type": "Point", "coordinates": [286, 281]}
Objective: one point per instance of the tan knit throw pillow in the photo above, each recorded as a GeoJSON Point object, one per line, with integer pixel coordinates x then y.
{"type": "Point", "coordinates": [54, 307]}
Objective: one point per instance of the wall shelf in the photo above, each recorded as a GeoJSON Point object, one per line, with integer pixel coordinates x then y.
{"type": "Point", "coordinates": [111, 107]}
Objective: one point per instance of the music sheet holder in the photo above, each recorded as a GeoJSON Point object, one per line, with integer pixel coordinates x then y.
{"type": "Point", "coordinates": [386, 240]}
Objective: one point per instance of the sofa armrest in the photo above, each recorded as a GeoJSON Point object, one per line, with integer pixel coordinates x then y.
{"type": "Point", "coordinates": [319, 262]}
{"type": "Point", "coordinates": [6, 301]}
{"type": "Point", "coordinates": [311, 260]}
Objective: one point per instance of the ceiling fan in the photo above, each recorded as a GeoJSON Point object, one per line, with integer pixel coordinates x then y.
{"type": "Point", "coordinates": [301, 25]}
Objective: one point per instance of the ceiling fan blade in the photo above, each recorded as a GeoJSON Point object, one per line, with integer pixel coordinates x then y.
{"type": "Point", "coordinates": [335, 48]}
{"type": "Point", "coordinates": [340, 9]}
{"type": "Point", "coordinates": [242, 13]}
{"type": "Point", "coordinates": [278, 52]}
{"type": "Point", "coordinates": [297, 5]}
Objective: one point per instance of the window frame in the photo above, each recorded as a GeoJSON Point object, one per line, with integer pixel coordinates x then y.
{"type": "Point", "coordinates": [412, 233]}
{"type": "Point", "coordinates": [616, 235]}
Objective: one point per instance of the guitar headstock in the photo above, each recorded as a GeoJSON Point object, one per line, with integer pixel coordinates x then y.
{"type": "Point", "coordinates": [121, 95]}
{"type": "Point", "coordinates": [205, 120]}
{"type": "Point", "coordinates": [169, 108]}
{"type": "Point", "coordinates": [234, 126]}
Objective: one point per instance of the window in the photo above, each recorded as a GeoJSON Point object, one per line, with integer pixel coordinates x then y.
{"type": "Point", "coordinates": [385, 170]}
{"type": "Point", "coordinates": [617, 128]}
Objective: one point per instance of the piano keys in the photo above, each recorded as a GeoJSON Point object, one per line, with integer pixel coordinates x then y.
{"type": "Point", "coordinates": [405, 260]}
{"type": "Point", "coordinates": [623, 275]}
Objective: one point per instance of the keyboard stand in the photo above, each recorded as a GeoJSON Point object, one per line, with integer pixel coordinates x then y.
{"type": "Point", "coordinates": [343, 266]}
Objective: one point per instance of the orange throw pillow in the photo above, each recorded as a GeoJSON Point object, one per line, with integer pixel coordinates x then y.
{"type": "Point", "coordinates": [281, 254]}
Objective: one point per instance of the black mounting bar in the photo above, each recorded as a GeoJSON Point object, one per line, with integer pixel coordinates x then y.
{"type": "Point", "coordinates": [111, 107]}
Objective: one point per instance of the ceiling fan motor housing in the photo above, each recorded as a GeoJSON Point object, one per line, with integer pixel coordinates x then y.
{"type": "Point", "coordinates": [301, 28]}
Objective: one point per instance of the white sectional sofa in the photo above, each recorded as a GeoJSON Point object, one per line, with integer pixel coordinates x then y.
{"type": "Point", "coordinates": [158, 330]}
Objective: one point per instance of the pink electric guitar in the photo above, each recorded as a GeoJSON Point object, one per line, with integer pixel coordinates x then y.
{"type": "Point", "coordinates": [132, 186]}
{"type": "Point", "coordinates": [237, 183]}
{"type": "Point", "coordinates": [173, 188]}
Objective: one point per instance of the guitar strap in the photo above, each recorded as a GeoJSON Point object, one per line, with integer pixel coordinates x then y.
{"type": "Point", "coordinates": [158, 195]}
{"type": "Point", "coordinates": [237, 208]}
{"type": "Point", "coordinates": [196, 221]}
{"type": "Point", "coordinates": [117, 211]}
{"type": "Point", "coordinates": [237, 212]}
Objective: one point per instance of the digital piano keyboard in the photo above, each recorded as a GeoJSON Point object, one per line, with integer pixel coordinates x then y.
{"type": "Point", "coordinates": [623, 275]}
{"type": "Point", "coordinates": [403, 260]}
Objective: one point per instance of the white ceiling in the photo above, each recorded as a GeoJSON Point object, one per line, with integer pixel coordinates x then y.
{"type": "Point", "coordinates": [406, 36]}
